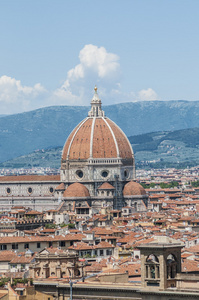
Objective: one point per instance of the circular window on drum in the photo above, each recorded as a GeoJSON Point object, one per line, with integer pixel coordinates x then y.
{"type": "Point", "coordinates": [104, 173]}
{"type": "Point", "coordinates": [51, 190]}
{"type": "Point", "coordinates": [8, 190]}
{"type": "Point", "coordinates": [29, 190]}
{"type": "Point", "coordinates": [79, 174]}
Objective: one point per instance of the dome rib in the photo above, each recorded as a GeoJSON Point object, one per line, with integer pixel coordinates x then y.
{"type": "Point", "coordinates": [91, 140]}
{"type": "Point", "coordinates": [67, 143]}
{"type": "Point", "coordinates": [125, 149]}
{"type": "Point", "coordinates": [113, 135]}
{"type": "Point", "coordinates": [73, 137]}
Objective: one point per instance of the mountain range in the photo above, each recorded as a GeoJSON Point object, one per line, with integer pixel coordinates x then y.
{"type": "Point", "coordinates": [49, 127]}
{"type": "Point", "coordinates": [160, 149]}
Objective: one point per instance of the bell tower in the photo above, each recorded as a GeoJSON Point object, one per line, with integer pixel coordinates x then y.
{"type": "Point", "coordinates": [160, 263]}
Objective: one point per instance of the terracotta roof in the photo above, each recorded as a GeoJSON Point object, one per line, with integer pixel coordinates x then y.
{"type": "Point", "coordinates": [29, 178]}
{"type": "Point", "coordinates": [133, 188]}
{"type": "Point", "coordinates": [17, 207]}
{"type": "Point", "coordinates": [190, 266]}
{"type": "Point", "coordinates": [80, 246]}
{"type": "Point", "coordinates": [106, 138]}
{"type": "Point", "coordinates": [96, 266]}
{"type": "Point", "coordinates": [60, 187]}
{"type": "Point", "coordinates": [76, 190]}
{"type": "Point", "coordinates": [106, 186]}
{"type": "Point", "coordinates": [21, 259]}
{"type": "Point", "coordinates": [8, 230]}
{"type": "Point", "coordinates": [104, 245]}
{"type": "Point", "coordinates": [33, 212]}
{"type": "Point", "coordinates": [52, 250]}
{"type": "Point", "coordinates": [7, 255]}
{"type": "Point", "coordinates": [102, 231]}
{"type": "Point", "coordinates": [48, 230]}
{"type": "Point", "coordinates": [133, 269]}
{"type": "Point", "coordinates": [125, 149]}
{"type": "Point", "coordinates": [29, 239]}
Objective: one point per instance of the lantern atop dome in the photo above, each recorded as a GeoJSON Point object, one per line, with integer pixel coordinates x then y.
{"type": "Point", "coordinates": [96, 110]}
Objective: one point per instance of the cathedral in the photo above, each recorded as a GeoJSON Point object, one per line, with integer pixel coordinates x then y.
{"type": "Point", "coordinates": [97, 171]}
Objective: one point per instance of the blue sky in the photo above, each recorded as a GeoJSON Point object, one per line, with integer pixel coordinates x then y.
{"type": "Point", "coordinates": [54, 52]}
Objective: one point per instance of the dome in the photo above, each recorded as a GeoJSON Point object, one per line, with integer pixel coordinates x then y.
{"type": "Point", "coordinates": [106, 186]}
{"type": "Point", "coordinates": [133, 188]}
{"type": "Point", "coordinates": [76, 190]}
{"type": "Point", "coordinates": [97, 137]}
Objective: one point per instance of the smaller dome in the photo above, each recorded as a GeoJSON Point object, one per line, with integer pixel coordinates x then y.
{"type": "Point", "coordinates": [106, 186]}
{"type": "Point", "coordinates": [133, 188]}
{"type": "Point", "coordinates": [76, 190]}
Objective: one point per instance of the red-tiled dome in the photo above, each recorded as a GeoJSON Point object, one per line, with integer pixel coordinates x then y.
{"type": "Point", "coordinates": [97, 138]}
{"type": "Point", "coordinates": [133, 188]}
{"type": "Point", "coordinates": [106, 186]}
{"type": "Point", "coordinates": [76, 190]}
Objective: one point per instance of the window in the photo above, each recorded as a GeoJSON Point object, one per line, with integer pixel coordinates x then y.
{"type": "Point", "coordinates": [79, 173]}
{"type": "Point", "coordinates": [108, 252]}
{"type": "Point", "coordinates": [101, 252]}
{"type": "Point", "coordinates": [62, 244]}
{"type": "Point", "coordinates": [71, 243]}
{"type": "Point", "coordinates": [51, 190]}
{"type": "Point", "coordinates": [14, 266]}
{"type": "Point", "coordinates": [104, 174]}
{"type": "Point", "coordinates": [30, 190]}
{"type": "Point", "coordinates": [26, 246]}
{"type": "Point", "coordinates": [50, 244]}
{"type": "Point", "coordinates": [126, 173]}
{"type": "Point", "coordinates": [8, 190]}
{"type": "Point", "coordinates": [3, 247]}
{"type": "Point", "coordinates": [38, 245]}
{"type": "Point", "coordinates": [14, 246]}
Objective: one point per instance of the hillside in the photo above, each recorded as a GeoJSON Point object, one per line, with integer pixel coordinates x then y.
{"type": "Point", "coordinates": [160, 149]}
{"type": "Point", "coordinates": [49, 127]}
{"type": "Point", "coordinates": [178, 148]}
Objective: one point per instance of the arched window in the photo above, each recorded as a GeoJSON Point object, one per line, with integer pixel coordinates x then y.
{"type": "Point", "coordinates": [152, 259]}
{"type": "Point", "coordinates": [152, 267]}
{"type": "Point", "coordinates": [171, 266]}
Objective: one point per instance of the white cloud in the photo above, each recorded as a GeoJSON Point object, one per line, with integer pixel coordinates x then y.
{"type": "Point", "coordinates": [96, 66]}
{"type": "Point", "coordinates": [97, 60]}
{"type": "Point", "coordinates": [14, 97]}
{"type": "Point", "coordinates": [148, 94]}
